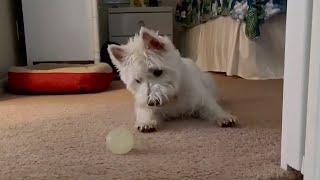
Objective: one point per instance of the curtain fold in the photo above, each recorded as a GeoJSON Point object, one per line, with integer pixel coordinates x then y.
{"type": "Point", "coordinates": [221, 45]}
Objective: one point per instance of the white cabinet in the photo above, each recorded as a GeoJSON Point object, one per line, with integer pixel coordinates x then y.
{"type": "Point", "coordinates": [126, 22]}
{"type": "Point", "coordinates": [60, 30]}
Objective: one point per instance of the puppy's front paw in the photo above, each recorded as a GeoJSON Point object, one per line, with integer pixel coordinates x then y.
{"type": "Point", "coordinates": [227, 121]}
{"type": "Point", "coordinates": [146, 127]}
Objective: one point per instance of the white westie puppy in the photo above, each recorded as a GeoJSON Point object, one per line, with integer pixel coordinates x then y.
{"type": "Point", "coordinates": [164, 84]}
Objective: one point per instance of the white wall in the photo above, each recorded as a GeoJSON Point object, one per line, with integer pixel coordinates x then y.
{"type": "Point", "coordinates": [8, 53]}
{"type": "Point", "coordinates": [295, 86]}
{"type": "Point", "coordinates": [311, 163]}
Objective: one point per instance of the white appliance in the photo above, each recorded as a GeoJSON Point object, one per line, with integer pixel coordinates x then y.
{"type": "Point", "coordinates": [61, 30]}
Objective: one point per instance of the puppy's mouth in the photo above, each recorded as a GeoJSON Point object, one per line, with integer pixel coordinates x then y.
{"type": "Point", "coordinates": [157, 103]}
{"type": "Point", "coordinates": [154, 103]}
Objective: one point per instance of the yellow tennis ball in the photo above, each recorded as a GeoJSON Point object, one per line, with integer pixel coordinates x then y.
{"type": "Point", "coordinates": [120, 141]}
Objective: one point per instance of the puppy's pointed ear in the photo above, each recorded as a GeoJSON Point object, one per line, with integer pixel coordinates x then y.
{"type": "Point", "coordinates": [117, 55]}
{"type": "Point", "coordinates": [151, 40]}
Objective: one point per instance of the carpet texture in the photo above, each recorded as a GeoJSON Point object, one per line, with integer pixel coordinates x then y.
{"type": "Point", "coordinates": [63, 137]}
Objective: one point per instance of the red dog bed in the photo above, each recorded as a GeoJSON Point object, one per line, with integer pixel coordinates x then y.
{"type": "Point", "coordinates": [60, 78]}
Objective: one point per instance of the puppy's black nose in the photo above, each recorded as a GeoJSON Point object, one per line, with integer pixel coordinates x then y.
{"type": "Point", "coordinates": [153, 102]}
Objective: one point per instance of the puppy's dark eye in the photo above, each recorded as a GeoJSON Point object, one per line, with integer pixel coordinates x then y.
{"type": "Point", "coordinates": [138, 81]}
{"type": "Point", "coordinates": [157, 72]}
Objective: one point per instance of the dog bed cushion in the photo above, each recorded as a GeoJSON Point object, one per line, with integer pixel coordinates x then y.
{"type": "Point", "coordinates": [50, 78]}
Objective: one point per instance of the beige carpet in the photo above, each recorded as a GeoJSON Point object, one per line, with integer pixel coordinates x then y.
{"type": "Point", "coordinates": [63, 137]}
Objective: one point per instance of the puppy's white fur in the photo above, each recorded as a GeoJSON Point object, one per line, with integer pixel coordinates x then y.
{"type": "Point", "coordinates": [164, 84]}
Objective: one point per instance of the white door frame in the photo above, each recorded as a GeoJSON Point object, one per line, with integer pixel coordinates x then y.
{"type": "Point", "coordinates": [295, 87]}
{"type": "Point", "coordinates": [311, 164]}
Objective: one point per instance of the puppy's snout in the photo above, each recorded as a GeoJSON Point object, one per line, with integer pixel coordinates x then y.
{"type": "Point", "coordinates": [153, 102]}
